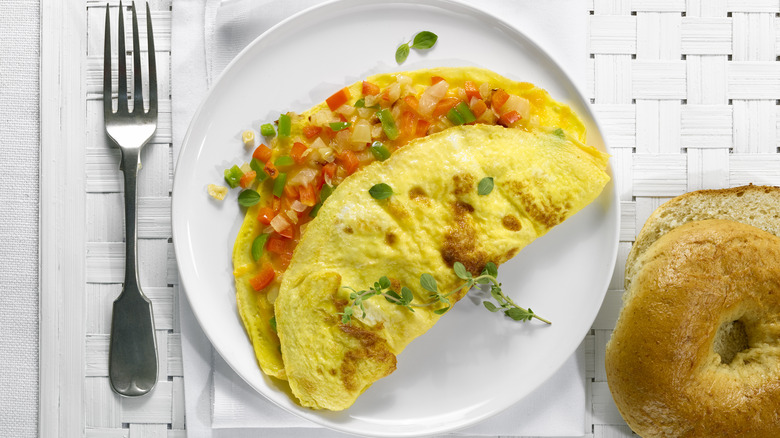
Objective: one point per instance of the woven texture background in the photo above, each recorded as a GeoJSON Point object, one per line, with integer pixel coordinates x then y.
{"type": "Point", "coordinates": [19, 217]}
{"type": "Point", "coordinates": [687, 92]}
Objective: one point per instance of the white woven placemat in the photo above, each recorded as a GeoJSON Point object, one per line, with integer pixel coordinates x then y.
{"type": "Point", "coordinates": [19, 218]}
{"type": "Point", "coordinates": [687, 93]}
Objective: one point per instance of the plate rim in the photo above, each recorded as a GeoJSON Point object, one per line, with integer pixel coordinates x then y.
{"type": "Point", "coordinates": [441, 4]}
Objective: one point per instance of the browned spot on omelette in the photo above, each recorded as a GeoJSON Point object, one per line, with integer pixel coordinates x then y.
{"type": "Point", "coordinates": [464, 183]}
{"type": "Point", "coordinates": [390, 238]}
{"type": "Point", "coordinates": [417, 193]}
{"type": "Point", "coordinates": [372, 351]}
{"type": "Point", "coordinates": [539, 208]}
{"type": "Point", "coordinates": [511, 223]}
{"type": "Point", "coordinates": [460, 241]}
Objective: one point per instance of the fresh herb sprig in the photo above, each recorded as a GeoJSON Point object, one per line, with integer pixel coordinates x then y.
{"type": "Point", "coordinates": [423, 40]}
{"type": "Point", "coordinates": [428, 282]}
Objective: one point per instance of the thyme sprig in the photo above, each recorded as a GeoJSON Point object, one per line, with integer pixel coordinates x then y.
{"type": "Point", "coordinates": [428, 282]}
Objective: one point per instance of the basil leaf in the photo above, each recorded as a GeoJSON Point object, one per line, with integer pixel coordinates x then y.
{"type": "Point", "coordinates": [424, 40]}
{"type": "Point", "coordinates": [485, 185]}
{"type": "Point", "coordinates": [248, 198]}
{"type": "Point", "coordinates": [428, 282]}
{"type": "Point", "coordinates": [401, 53]}
{"type": "Point", "coordinates": [380, 191]}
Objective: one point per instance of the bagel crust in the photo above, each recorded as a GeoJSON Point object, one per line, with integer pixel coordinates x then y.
{"type": "Point", "coordinates": [665, 364]}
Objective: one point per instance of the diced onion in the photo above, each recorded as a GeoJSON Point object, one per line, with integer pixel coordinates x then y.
{"type": "Point", "coordinates": [305, 176]}
{"type": "Point", "coordinates": [279, 223]}
{"type": "Point", "coordinates": [431, 97]}
{"type": "Point", "coordinates": [324, 117]}
{"type": "Point", "coordinates": [517, 103]}
{"type": "Point", "coordinates": [293, 216]}
{"type": "Point", "coordinates": [376, 130]}
{"type": "Point", "coordinates": [268, 230]}
{"type": "Point", "coordinates": [484, 90]}
{"type": "Point", "coordinates": [347, 110]}
{"type": "Point", "coordinates": [394, 92]}
{"type": "Point", "coordinates": [370, 100]}
{"type": "Point", "coordinates": [361, 132]}
{"type": "Point", "coordinates": [298, 206]}
{"type": "Point", "coordinates": [327, 154]}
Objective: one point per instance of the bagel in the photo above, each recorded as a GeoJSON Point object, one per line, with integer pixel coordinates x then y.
{"type": "Point", "coordinates": [696, 349]}
{"type": "Point", "coordinates": [753, 205]}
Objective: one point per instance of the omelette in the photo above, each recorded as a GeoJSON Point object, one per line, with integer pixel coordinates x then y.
{"type": "Point", "coordinates": [312, 154]}
{"type": "Point", "coordinates": [434, 218]}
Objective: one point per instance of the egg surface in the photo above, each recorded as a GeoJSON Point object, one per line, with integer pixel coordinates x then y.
{"type": "Point", "coordinates": [436, 216]}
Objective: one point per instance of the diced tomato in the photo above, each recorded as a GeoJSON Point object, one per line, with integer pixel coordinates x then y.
{"type": "Point", "coordinates": [498, 99]}
{"type": "Point", "coordinates": [262, 153]}
{"type": "Point", "coordinates": [338, 98]}
{"type": "Point", "coordinates": [478, 107]}
{"type": "Point", "coordinates": [349, 161]}
{"type": "Point", "coordinates": [265, 215]}
{"type": "Point", "coordinates": [328, 172]}
{"type": "Point", "coordinates": [471, 90]}
{"type": "Point", "coordinates": [277, 205]}
{"type": "Point", "coordinates": [436, 79]}
{"type": "Point", "coordinates": [270, 169]}
{"type": "Point", "coordinates": [247, 179]}
{"type": "Point", "coordinates": [509, 118]}
{"type": "Point", "coordinates": [263, 278]}
{"type": "Point", "coordinates": [422, 128]}
{"type": "Point", "coordinates": [311, 131]}
{"type": "Point", "coordinates": [412, 102]}
{"type": "Point", "coordinates": [297, 151]}
{"type": "Point", "coordinates": [408, 124]}
{"type": "Point", "coordinates": [307, 195]}
{"type": "Point", "coordinates": [288, 232]}
{"type": "Point", "coordinates": [444, 106]}
{"type": "Point", "coordinates": [370, 89]}
{"type": "Point", "coordinates": [290, 192]}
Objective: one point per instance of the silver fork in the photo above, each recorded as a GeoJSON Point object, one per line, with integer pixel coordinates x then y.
{"type": "Point", "coordinates": [132, 367]}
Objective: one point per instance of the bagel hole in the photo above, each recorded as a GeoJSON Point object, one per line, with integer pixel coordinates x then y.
{"type": "Point", "coordinates": [730, 339]}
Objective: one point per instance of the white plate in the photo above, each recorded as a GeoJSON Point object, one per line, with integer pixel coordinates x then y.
{"type": "Point", "coordinates": [472, 364]}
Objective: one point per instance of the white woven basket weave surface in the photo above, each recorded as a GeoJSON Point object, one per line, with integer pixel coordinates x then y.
{"type": "Point", "coordinates": [687, 92]}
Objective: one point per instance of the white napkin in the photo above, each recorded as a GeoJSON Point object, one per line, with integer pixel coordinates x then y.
{"type": "Point", "coordinates": [206, 35]}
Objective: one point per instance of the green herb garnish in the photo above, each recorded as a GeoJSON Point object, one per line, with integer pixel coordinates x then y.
{"type": "Point", "coordinates": [485, 186]}
{"type": "Point", "coordinates": [380, 191]}
{"type": "Point", "coordinates": [428, 282]}
{"type": "Point", "coordinates": [248, 198]}
{"type": "Point", "coordinates": [421, 41]}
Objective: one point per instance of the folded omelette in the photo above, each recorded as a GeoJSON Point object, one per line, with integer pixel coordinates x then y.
{"type": "Point", "coordinates": [314, 151]}
{"type": "Point", "coordinates": [434, 218]}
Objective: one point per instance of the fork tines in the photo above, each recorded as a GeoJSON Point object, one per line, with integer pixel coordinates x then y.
{"type": "Point", "coordinates": [122, 104]}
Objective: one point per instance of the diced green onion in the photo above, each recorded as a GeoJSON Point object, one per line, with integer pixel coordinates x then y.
{"type": "Point", "coordinates": [388, 124]}
{"type": "Point", "coordinates": [455, 117]}
{"type": "Point", "coordinates": [258, 245]}
{"type": "Point", "coordinates": [283, 161]}
{"type": "Point", "coordinates": [285, 123]}
{"type": "Point", "coordinates": [380, 151]}
{"type": "Point", "coordinates": [272, 322]}
{"type": "Point", "coordinates": [360, 103]}
{"type": "Point", "coordinates": [315, 210]}
{"type": "Point", "coordinates": [267, 130]}
{"type": "Point", "coordinates": [326, 190]}
{"type": "Point", "coordinates": [279, 183]}
{"type": "Point", "coordinates": [465, 112]}
{"type": "Point", "coordinates": [259, 169]}
{"type": "Point", "coordinates": [338, 126]}
{"type": "Point", "coordinates": [233, 176]}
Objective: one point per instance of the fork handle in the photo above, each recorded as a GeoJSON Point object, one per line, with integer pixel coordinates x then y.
{"type": "Point", "coordinates": [132, 364]}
